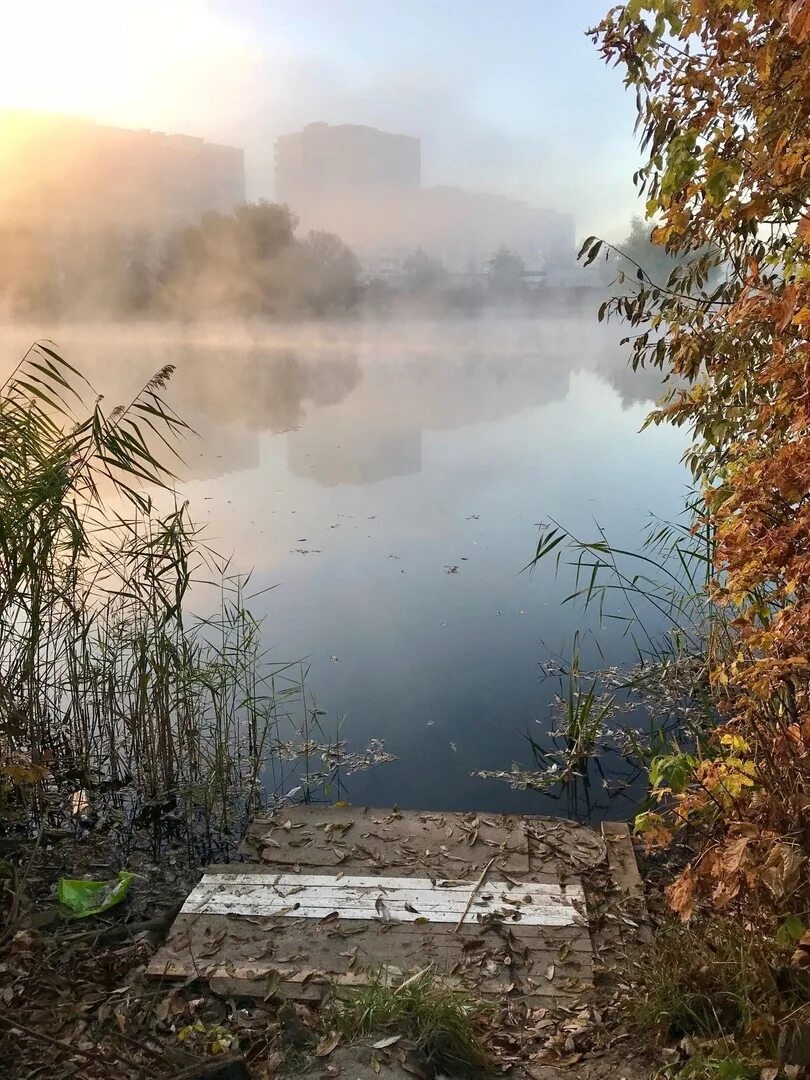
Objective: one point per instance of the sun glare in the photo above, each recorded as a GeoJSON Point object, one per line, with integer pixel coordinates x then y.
{"type": "Point", "coordinates": [117, 61]}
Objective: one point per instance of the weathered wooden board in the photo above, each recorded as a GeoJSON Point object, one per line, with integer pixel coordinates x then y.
{"type": "Point", "coordinates": [365, 841]}
{"type": "Point", "coordinates": [566, 847]}
{"type": "Point", "coordinates": [402, 899]}
{"type": "Point", "coordinates": [351, 872]}
{"type": "Point", "coordinates": [305, 958]}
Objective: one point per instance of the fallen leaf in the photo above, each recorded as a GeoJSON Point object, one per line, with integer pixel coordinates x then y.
{"type": "Point", "coordinates": [801, 957]}
{"type": "Point", "coordinates": [327, 1045]}
{"type": "Point", "coordinates": [389, 1041]}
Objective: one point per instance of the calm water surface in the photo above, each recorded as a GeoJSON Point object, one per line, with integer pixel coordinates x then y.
{"type": "Point", "coordinates": [353, 466]}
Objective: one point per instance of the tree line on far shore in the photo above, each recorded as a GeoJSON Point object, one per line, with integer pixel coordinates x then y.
{"type": "Point", "coordinates": [248, 263]}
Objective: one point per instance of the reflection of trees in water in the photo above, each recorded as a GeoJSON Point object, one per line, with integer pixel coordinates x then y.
{"type": "Point", "coordinates": [264, 389]}
{"type": "Point", "coordinates": [376, 432]}
{"type": "Point", "coordinates": [633, 387]}
{"type": "Point", "coordinates": [228, 394]}
{"type": "Point", "coordinates": [388, 384]}
{"type": "Point", "coordinates": [610, 362]}
{"type": "Point", "coordinates": [231, 397]}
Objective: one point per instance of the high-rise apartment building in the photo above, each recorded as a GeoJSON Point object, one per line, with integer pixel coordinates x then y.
{"type": "Point", "coordinates": [67, 172]}
{"type": "Point", "coordinates": [326, 163]}
{"type": "Point", "coordinates": [365, 185]}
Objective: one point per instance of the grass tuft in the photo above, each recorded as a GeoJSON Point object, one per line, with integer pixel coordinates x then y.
{"type": "Point", "coordinates": [441, 1022]}
{"type": "Point", "coordinates": [716, 978]}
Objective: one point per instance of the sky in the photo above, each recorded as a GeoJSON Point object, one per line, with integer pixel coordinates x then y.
{"type": "Point", "coordinates": [509, 97]}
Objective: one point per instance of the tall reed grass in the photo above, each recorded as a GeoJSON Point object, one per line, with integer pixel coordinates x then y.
{"type": "Point", "coordinates": [107, 683]}
{"type": "Point", "coordinates": [656, 707]}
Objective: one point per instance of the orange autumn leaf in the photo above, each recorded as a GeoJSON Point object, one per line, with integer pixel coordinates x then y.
{"type": "Point", "coordinates": [681, 894]}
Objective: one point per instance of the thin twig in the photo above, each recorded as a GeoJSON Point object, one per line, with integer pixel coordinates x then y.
{"type": "Point", "coordinates": [98, 1055]}
{"type": "Point", "coordinates": [475, 889]}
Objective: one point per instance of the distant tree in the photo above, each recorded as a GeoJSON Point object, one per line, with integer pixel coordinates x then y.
{"type": "Point", "coordinates": [422, 273]}
{"type": "Point", "coordinates": [329, 272]}
{"type": "Point", "coordinates": [231, 264]}
{"type": "Point", "coordinates": [639, 250]}
{"type": "Point", "coordinates": [506, 270]}
{"type": "Point", "coordinates": [32, 275]}
{"type": "Point", "coordinates": [467, 299]}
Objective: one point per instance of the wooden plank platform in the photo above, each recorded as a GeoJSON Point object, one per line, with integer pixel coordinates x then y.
{"type": "Point", "coordinates": [340, 896]}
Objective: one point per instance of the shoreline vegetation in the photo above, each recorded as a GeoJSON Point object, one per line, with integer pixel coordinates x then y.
{"type": "Point", "coordinates": [107, 681]}
{"type": "Point", "coordinates": [118, 702]}
{"type": "Point", "coordinates": [723, 102]}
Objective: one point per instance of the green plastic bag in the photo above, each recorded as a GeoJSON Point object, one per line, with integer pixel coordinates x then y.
{"type": "Point", "coordinates": [92, 897]}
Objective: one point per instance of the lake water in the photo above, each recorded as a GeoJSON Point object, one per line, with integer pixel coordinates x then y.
{"type": "Point", "coordinates": [352, 466]}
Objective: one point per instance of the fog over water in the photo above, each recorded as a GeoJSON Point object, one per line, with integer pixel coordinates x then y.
{"type": "Point", "coordinates": [351, 464]}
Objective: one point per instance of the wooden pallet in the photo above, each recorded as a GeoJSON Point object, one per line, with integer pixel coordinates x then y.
{"type": "Point", "coordinates": [341, 896]}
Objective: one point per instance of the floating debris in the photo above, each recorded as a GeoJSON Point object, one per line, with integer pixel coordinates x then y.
{"type": "Point", "coordinates": [451, 569]}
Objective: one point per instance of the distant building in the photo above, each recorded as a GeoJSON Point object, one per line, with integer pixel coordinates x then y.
{"type": "Point", "coordinates": [325, 163]}
{"type": "Point", "coordinates": [68, 172]}
{"type": "Point", "coordinates": [365, 185]}
{"type": "Point", "coordinates": [465, 229]}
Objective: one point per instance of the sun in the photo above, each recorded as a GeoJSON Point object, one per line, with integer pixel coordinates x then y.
{"type": "Point", "coordinates": [62, 57]}
{"type": "Point", "coordinates": [117, 61]}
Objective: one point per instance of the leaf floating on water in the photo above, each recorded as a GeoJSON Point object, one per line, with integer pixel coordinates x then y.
{"type": "Point", "coordinates": [451, 569]}
{"type": "Point", "coordinates": [453, 747]}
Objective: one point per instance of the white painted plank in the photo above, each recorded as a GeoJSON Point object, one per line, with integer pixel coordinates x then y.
{"type": "Point", "coordinates": [375, 898]}
{"type": "Point", "coordinates": [425, 899]}
{"type": "Point", "coordinates": [376, 881]}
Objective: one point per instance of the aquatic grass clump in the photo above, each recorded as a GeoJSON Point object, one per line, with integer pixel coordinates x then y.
{"type": "Point", "coordinates": [659, 595]}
